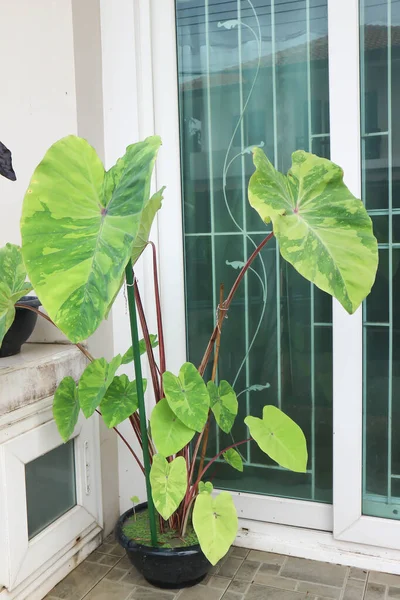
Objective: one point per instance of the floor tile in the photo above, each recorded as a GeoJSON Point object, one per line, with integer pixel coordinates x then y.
{"type": "Point", "coordinates": [238, 587]}
{"type": "Point", "coordinates": [103, 559]}
{"type": "Point", "coordinates": [239, 552]}
{"type": "Point", "coordinates": [110, 590]}
{"type": "Point", "coordinates": [394, 592]}
{"type": "Point", "coordinates": [200, 592]}
{"type": "Point", "coordinates": [111, 548]}
{"type": "Point", "coordinates": [152, 593]}
{"type": "Point", "coordinates": [375, 591]}
{"type": "Point", "coordinates": [230, 566]}
{"type": "Point", "coordinates": [354, 590]}
{"type": "Point", "coordinates": [314, 572]}
{"type": "Point", "coordinates": [133, 577]}
{"type": "Point", "coordinates": [232, 596]}
{"type": "Point", "coordinates": [384, 578]}
{"type": "Point", "coordinates": [247, 570]}
{"type": "Point", "coordinates": [266, 557]}
{"type": "Point", "coordinates": [116, 574]}
{"type": "Point", "coordinates": [265, 578]}
{"type": "Point", "coordinates": [261, 592]}
{"type": "Point", "coordinates": [80, 581]}
{"type": "Point", "coordinates": [221, 583]}
{"type": "Point", "coordinates": [317, 589]}
{"type": "Point", "coordinates": [357, 574]}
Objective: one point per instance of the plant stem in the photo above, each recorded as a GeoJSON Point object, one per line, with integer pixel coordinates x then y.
{"type": "Point", "coordinates": [140, 394]}
{"type": "Point", "coordinates": [226, 304]}
{"type": "Point", "coordinates": [127, 444]}
{"type": "Point", "coordinates": [159, 315]}
{"type": "Point", "coordinates": [149, 349]}
{"type": "Point", "coordinates": [208, 465]}
{"type": "Point", "coordinates": [47, 318]}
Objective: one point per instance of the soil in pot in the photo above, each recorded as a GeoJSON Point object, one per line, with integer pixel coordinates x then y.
{"type": "Point", "coordinates": [175, 563]}
{"type": "Point", "coordinates": [21, 329]}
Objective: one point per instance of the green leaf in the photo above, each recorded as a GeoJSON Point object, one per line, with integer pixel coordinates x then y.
{"type": "Point", "coordinates": [322, 229]}
{"type": "Point", "coordinates": [120, 401]}
{"type": "Point", "coordinates": [168, 484]}
{"type": "Point", "coordinates": [187, 396]}
{"type": "Point", "coordinates": [66, 407]}
{"type": "Point", "coordinates": [79, 225]}
{"type": "Point", "coordinates": [224, 404]}
{"type": "Point", "coordinates": [94, 383]}
{"type": "Point", "coordinates": [279, 437]}
{"type": "Point", "coordinates": [234, 459]}
{"type": "Point", "coordinates": [135, 500]}
{"type": "Point", "coordinates": [146, 221]}
{"type": "Point", "coordinates": [215, 523]}
{"type": "Point", "coordinates": [169, 434]}
{"type": "Point", "coordinates": [205, 487]}
{"type": "Point", "coordinates": [128, 356]}
{"type": "Point", "coordinates": [12, 285]}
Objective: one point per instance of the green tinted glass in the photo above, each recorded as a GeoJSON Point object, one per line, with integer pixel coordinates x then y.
{"type": "Point", "coordinates": [255, 73]}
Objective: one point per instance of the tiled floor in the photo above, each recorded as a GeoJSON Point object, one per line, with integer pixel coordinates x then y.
{"type": "Point", "coordinates": [242, 575]}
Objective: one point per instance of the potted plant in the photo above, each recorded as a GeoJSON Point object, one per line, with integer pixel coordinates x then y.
{"type": "Point", "coordinates": [82, 230]}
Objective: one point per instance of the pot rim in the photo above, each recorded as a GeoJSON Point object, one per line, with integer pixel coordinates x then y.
{"type": "Point", "coordinates": [130, 544]}
{"type": "Point", "coordinates": [30, 301]}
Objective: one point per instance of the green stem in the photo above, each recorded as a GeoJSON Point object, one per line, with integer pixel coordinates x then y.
{"type": "Point", "coordinates": [140, 394]}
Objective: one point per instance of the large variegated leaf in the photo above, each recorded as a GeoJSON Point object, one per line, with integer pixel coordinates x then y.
{"type": "Point", "coordinates": [187, 396]}
{"type": "Point", "coordinates": [94, 383]}
{"type": "Point", "coordinates": [12, 285]}
{"type": "Point", "coordinates": [79, 225]}
{"type": "Point", "coordinates": [66, 407]}
{"type": "Point", "coordinates": [280, 437]}
{"type": "Point", "coordinates": [120, 400]}
{"type": "Point", "coordinates": [146, 221]}
{"type": "Point", "coordinates": [168, 484]}
{"type": "Point", "coordinates": [215, 523]}
{"type": "Point", "coordinates": [322, 229]}
{"type": "Point", "coordinates": [224, 404]}
{"type": "Point", "coordinates": [169, 434]}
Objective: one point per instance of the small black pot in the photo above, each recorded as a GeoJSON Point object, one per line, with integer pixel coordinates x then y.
{"type": "Point", "coordinates": [170, 568]}
{"type": "Point", "coordinates": [22, 327]}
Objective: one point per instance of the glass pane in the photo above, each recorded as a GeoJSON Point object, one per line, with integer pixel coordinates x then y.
{"type": "Point", "coordinates": [239, 64]}
{"type": "Point", "coordinates": [50, 487]}
{"type": "Point", "coordinates": [380, 114]}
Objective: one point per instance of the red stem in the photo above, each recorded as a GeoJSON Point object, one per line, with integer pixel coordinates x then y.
{"type": "Point", "coordinates": [226, 304]}
{"type": "Point", "coordinates": [131, 450]}
{"type": "Point", "coordinates": [146, 336]}
{"type": "Point", "coordinates": [208, 465]}
{"type": "Point", "coordinates": [158, 310]}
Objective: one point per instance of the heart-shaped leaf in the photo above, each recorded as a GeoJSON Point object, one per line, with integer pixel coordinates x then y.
{"type": "Point", "coordinates": [205, 487]}
{"type": "Point", "coordinates": [12, 285]}
{"type": "Point", "coordinates": [280, 437]}
{"type": "Point", "coordinates": [120, 401]}
{"type": "Point", "coordinates": [322, 229]}
{"type": "Point", "coordinates": [223, 403]}
{"type": "Point", "coordinates": [234, 459]}
{"type": "Point", "coordinates": [128, 356]}
{"type": "Point", "coordinates": [168, 484]}
{"type": "Point", "coordinates": [187, 396]}
{"type": "Point", "coordinates": [66, 407]}
{"type": "Point", "coordinates": [169, 434]}
{"type": "Point", "coordinates": [94, 383]}
{"type": "Point", "coordinates": [146, 221]}
{"type": "Point", "coordinates": [79, 225]}
{"type": "Point", "coordinates": [215, 523]}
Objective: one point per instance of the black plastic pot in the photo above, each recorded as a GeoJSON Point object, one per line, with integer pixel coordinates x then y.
{"type": "Point", "coordinates": [170, 568]}
{"type": "Point", "coordinates": [22, 327]}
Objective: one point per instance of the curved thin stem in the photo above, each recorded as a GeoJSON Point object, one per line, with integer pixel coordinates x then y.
{"type": "Point", "coordinates": [131, 450]}
{"type": "Point", "coordinates": [47, 318]}
{"type": "Point", "coordinates": [208, 465]}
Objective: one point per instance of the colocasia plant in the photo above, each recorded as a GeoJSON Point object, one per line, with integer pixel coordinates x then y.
{"type": "Point", "coordinates": [84, 228]}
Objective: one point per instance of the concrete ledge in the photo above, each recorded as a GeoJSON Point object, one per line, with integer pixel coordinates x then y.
{"type": "Point", "coordinates": [35, 373]}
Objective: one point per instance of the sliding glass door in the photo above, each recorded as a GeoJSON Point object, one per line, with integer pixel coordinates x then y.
{"type": "Point", "coordinates": [255, 73]}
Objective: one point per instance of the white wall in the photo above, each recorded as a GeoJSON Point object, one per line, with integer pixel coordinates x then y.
{"type": "Point", "coordinates": [51, 86]}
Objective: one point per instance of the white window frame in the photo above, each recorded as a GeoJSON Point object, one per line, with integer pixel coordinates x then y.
{"type": "Point", "coordinates": [349, 522]}
{"type": "Point", "coordinates": [20, 557]}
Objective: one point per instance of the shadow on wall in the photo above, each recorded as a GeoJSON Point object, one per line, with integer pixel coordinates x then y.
{"type": "Point", "coordinates": [6, 168]}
